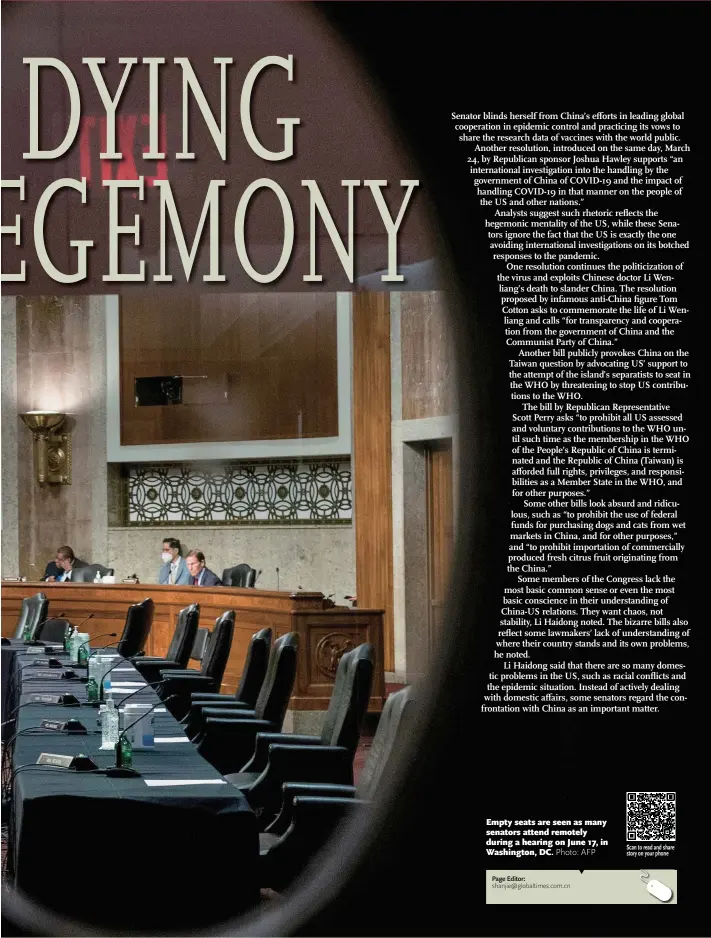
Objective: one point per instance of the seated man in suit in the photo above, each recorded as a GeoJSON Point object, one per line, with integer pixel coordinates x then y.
{"type": "Point", "coordinates": [174, 569]}
{"type": "Point", "coordinates": [66, 564]}
{"type": "Point", "coordinates": [52, 572]}
{"type": "Point", "coordinates": [200, 575]}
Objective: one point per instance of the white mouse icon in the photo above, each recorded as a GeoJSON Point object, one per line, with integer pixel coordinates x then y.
{"type": "Point", "coordinates": [659, 890]}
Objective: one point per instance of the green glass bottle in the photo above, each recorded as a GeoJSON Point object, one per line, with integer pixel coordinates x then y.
{"type": "Point", "coordinates": [126, 752]}
{"type": "Point", "coordinates": [27, 633]}
{"type": "Point", "coordinates": [92, 690]}
{"type": "Point", "coordinates": [83, 655]}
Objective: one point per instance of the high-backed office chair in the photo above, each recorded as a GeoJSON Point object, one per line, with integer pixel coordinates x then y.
{"type": "Point", "coordinates": [250, 682]}
{"type": "Point", "coordinates": [181, 683]}
{"type": "Point", "coordinates": [139, 619]}
{"type": "Point", "coordinates": [32, 612]}
{"type": "Point", "coordinates": [53, 630]}
{"type": "Point", "coordinates": [291, 757]}
{"type": "Point", "coordinates": [311, 811]}
{"type": "Point", "coordinates": [227, 738]}
{"type": "Point", "coordinates": [241, 575]}
{"type": "Point", "coordinates": [181, 644]}
{"type": "Point", "coordinates": [88, 574]}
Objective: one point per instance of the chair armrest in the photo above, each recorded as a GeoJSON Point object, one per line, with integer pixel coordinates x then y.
{"type": "Point", "coordinates": [150, 668]}
{"type": "Point", "coordinates": [260, 758]}
{"type": "Point", "coordinates": [187, 673]}
{"type": "Point", "coordinates": [291, 790]}
{"type": "Point", "coordinates": [204, 698]}
{"type": "Point", "coordinates": [177, 682]}
{"type": "Point", "coordinates": [314, 821]}
{"type": "Point", "coordinates": [227, 744]}
{"type": "Point", "coordinates": [199, 711]}
{"type": "Point", "coordinates": [332, 764]}
{"type": "Point", "coordinates": [164, 663]}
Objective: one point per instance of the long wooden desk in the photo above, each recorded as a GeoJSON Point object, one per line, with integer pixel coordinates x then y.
{"type": "Point", "coordinates": [324, 633]}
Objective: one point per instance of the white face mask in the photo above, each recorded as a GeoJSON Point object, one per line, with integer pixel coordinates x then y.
{"type": "Point", "coordinates": [166, 557]}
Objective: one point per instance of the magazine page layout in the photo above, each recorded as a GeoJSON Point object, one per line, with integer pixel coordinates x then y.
{"type": "Point", "coordinates": [352, 366]}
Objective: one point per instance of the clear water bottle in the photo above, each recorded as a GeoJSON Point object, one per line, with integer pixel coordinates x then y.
{"type": "Point", "coordinates": [109, 725]}
{"type": "Point", "coordinates": [74, 643]}
{"type": "Point", "coordinates": [67, 636]}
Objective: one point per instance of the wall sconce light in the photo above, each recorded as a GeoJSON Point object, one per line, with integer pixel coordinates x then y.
{"type": "Point", "coordinates": [53, 450]}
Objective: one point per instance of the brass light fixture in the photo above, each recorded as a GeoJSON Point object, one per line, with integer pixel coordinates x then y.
{"type": "Point", "coordinates": [53, 450]}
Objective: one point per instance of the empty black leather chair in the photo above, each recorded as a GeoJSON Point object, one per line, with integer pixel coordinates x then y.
{"type": "Point", "coordinates": [53, 630]}
{"type": "Point", "coordinates": [310, 812]}
{"type": "Point", "coordinates": [241, 575]}
{"type": "Point", "coordinates": [227, 739]}
{"type": "Point", "coordinates": [178, 652]}
{"type": "Point", "coordinates": [291, 757]}
{"type": "Point", "coordinates": [88, 574]}
{"type": "Point", "coordinates": [182, 683]}
{"type": "Point", "coordinates": [250, 682]}
{"type": "Point", "coordinates": [33, 611]}
{"type": "Point", "coordinates": [139, 619]}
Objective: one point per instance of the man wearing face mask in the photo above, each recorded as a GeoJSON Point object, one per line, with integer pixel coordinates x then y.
{"type": "Point", "coordinates": [174, 571]}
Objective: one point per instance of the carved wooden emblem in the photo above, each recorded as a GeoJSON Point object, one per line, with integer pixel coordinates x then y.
{"type": "Point", "coordinates": [330, 650]}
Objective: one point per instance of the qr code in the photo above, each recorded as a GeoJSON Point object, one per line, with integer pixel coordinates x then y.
{"type": "Point", "coordinates": [651, 815]}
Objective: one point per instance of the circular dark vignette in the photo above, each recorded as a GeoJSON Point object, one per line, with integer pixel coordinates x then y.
{"type": "Point", "coordinates": [398, 850]}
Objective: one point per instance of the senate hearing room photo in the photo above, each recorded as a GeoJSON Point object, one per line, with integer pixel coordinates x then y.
{"type": "Point", "coordinates": [228, 498]}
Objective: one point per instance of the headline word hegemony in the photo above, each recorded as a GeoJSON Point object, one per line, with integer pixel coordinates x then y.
{"type": "Point", "coordinates": [169, 216]}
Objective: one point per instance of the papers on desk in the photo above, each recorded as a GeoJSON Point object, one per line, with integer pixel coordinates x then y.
{"type": "Point", "coordinates": [171, 739]}
{"type": "Point", "coordinates": [168, 782]}
{"type": "Point", "coordinates": [118, 685]}
{"type": "Point", "coordinates": [119, 670]}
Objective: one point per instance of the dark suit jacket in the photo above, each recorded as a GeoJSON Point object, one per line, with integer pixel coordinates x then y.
{"type": "Point", "coordinates": [210, 579]}
{"type": "Point", "coordinates": [56, 571]}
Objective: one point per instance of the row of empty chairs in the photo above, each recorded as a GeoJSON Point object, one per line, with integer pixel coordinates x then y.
{"type": "Point", "coordinates": [300, 786]}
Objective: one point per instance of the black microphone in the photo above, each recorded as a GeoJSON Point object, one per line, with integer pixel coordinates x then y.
{"type": "Point", "coordinates": [120, 770]}
{"type": "Point", "coordinates": [95, 703]}
{"type": "Point", "coordinates": [77, 627]}
{"type": "Point", "coordinates": [90, 616]}
{"type": "Point", "coordinates": [277, 573]}
{"type": "Point", "coordinates": [35, 641]}
{"type": "Point", "coordinates": [63, 700]}
{"type": "Point", "coordinates": [52, 665]}
{"type": "Point", "coordinates": [50, 726]}
{"type": "Point", "coordinates": [138, 691]}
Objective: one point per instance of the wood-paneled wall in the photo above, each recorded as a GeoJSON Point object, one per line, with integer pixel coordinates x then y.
{"type": "Point", "coordinates": [372, 461]}
{"type": "Point", "coordinates": [262, 366]}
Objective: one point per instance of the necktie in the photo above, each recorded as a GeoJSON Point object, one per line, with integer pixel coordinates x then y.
{"type": "Point", "coordinates": [195, 581]}
{"type": "Point", "coordinates": [171, 576]}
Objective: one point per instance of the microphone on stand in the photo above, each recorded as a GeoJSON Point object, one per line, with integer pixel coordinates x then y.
{"type": "Point", "coordinates": [277, 573]}
{"type": "Point", "coordinates": [95, 703]}
{"type": "Point", "coordinates": [120, 770]}
{"type": "Point", "coordinates": [64, 700]}
{"type": "Point", "coordinates": [138, 691]}
{"type": "Point", "coordinates": [86, 619]}
{"type": "Point", "coordinates": [52, 665]}
{"type": "Point", "coordinates": [90, 616]}
{"type": "Point", "coordinates": [103, 635]}
{"type": "Point", "coordinates": [35, 641]}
